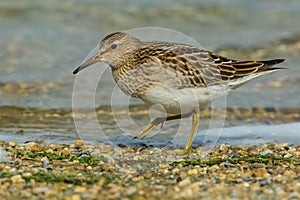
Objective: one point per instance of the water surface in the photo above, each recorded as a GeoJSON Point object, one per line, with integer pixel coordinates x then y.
{"type": "Point", "coordinates": [41, 42]}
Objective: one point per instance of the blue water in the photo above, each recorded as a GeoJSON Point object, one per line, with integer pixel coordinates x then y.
{"type": "Point", "coordinates": [41, 42]}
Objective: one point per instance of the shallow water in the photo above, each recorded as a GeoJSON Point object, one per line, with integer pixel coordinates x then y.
{"type": "Point", "coordinates": [41, 42]}
{"type": "Point", "coordinates": [241, 126]}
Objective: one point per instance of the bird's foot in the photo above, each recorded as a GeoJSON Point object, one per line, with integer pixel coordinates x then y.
{"type": "Point", "coordinates": [148, 129]}
{"type": "Point", "coordinates": [181, 152]}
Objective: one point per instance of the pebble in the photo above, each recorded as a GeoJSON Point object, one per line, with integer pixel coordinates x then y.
{"type": "Point", "coordinates": [184, 182]}
{"type": "Point", "coordinates": [175, 171]}
{"type": "Point", "coordinates": [183, 175]}
{"type": "Point", "coordinates": [79, 142]}
{"type": "Point", "coordinates": [131, 191]}
{"type": "Point", "coordinates": [186, 193]}
{"type": "Point", "coordinates": [17, 179]}
{"type": "Point", "coordinates": [76, 197]}
{"type": "Point", "coordinates": [12, 143]}
{"type": "Point", "coordinates": [33, 146]}
{"type": "Point", "coordinates": [266, 152]}
{"type": "Point", "coordinates": [150, 176]}
{"type": "Point", "coordinates": [80, 189]}
{"type": "Point", "coordinates": [45, 160]}
{"type": "Point", "coordinates": [192, 172]}
{"type": "Point", "coordinates": [26, 174]}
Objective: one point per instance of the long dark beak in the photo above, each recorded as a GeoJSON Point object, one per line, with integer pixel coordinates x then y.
{"type": "Point", "coordinates": [87, 63]}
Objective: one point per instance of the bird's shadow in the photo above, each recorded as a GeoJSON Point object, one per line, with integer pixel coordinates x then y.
{"type": "Point", "coordinates": [133, 142]}
{"type": "Point", "coordinates": [157, 141]}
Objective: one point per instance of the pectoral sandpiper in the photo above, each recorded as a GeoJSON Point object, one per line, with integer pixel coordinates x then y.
{"type": "Point", "coordinates": [179, 77]}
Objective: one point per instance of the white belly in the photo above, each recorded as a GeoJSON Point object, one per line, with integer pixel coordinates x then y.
{"type": "Point", "coordinates": [181, 101]}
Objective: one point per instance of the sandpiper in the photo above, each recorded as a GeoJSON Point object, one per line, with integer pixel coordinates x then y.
{"type": "Point", "coordinates": [179, 77]}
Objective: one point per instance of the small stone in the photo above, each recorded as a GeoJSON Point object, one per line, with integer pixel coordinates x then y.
{"type": "Point", "coordinates": [17, 179]}
{"type": "Point", "coordinates": [148, 175]}
{"type": "Point", "coordinates": [224, 147]}
{"type": "Point", "coordinates": [182, 175]}
{"type": "Point", "coordinates": [264, 182]}
{"type": "Point", "coordinates": [283, 146]}
{"type": "Point", "coordinates": [76, 197]}
{"type": "Point", "coordinates": [288, 155]}
{"type": "Point", "coordinates": [33, 146]}
{"type": "Point", "coordinates": [266, 152]}
{"type": "Point", "coordinates": [137, 157]}
{"type": "Point", "coordinates": [194, 187]}
{"type": "Point", "coordinates": [175, 170]}
{"type": "Point", "coordinates": [294, 195]}
{"type": "Point", "coordinates": [114, 193]}
{"type": "Point", "coordinates": [26, 174]}
{"type": "Point", "coordinates": [45, 160]}
{"type": "Point", "coordinates": [12, 143]}
{"type": "Point", "coordinates": [131, 190]}
{"type": "Point", "coordinates": [12, 170]}
{"type": "Point", "coordinates": [290, 174]}
{"type": "Point", "coordinates": [65, 152]}
{"type": "Point", "coordinates": [184, 182]}
{"type": "Point", "coordinates": [49, 192]}
{"type": "Point", "coordinates": [80, 189]}
{"type": "Point", "coordinates": [38, 190]}
{"type": "Point", "coordinates": [7, 168]}
{"type": "Point", "coordinates": [214, 168]}
{"type": "Point", "coordinates": [228, 164]}
{"type": "Point", "coordinates": [187, 193]}
{"type": "Point", "coordinates": [76, 161]}
{"type": "Point", "coordinates": [79, 142]}
{"type": "Point", "coordinates": [192, 172]}
{"type": "Point", "coordinates": [245, 184]}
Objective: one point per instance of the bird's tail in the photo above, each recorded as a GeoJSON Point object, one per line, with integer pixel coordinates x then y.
{"type": "Point", "coordinates": [248, 70]}
{"type": "Point", "coordinates": [268, 65]}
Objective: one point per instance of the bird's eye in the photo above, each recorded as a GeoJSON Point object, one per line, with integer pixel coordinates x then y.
{"type": "Point", "coordinates": [113, 46]}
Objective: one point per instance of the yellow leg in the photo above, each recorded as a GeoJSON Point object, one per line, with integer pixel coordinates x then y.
{"type": "Point", "coordinates": [160, 120]}
{"type": "Point", "coordinates": [148, 129]}
{"type": "Point", "coordinates": [188, 146]}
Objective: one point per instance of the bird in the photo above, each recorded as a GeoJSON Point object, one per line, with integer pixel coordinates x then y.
{"type": "Point", "coordinates": [181, 78]}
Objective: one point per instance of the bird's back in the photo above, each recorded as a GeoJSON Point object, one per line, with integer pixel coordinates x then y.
{"type": "Point", "coordinates": [187, 66]}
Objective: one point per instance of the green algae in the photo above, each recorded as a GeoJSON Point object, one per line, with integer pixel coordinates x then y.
{"type": "Point", "coordinates": [75, 177]}
{"type": "Point", "coordinates": [90, 160]}
{"type": "Point", "coordinates": [250, 159]}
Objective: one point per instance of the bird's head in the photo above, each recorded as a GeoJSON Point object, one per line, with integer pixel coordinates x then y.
{"type": "Point", "coordinates": [111, 50]}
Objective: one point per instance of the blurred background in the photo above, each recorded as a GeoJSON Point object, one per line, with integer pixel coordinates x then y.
{"type": "Point", "coordinates": [41, 42]}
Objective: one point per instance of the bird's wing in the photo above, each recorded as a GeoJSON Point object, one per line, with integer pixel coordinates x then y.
{"type": "Point", "coordinates": [198, 67]}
